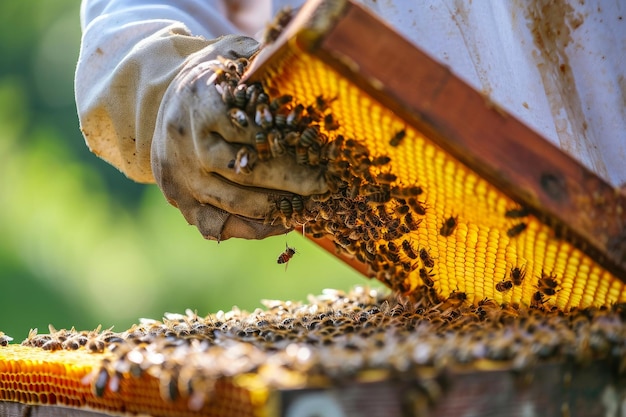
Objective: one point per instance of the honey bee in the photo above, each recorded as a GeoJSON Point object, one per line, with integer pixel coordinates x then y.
{"type": "Point", "coordinates": [370, 246]}
{"type": "Point", "coordinates": [320, 198]}
{"type": "Point", "coordinates": [262, 146]}
{"type": "Point", "coordinates": [52, 344]}
{"type": "Point", "coordinates": [361, 166]}
{"type": "Point", "coordinates": [447, 228]}
{"type": "Point", "coordinates": [393, 247]}
{"type": "Point", "coordinates": [280, 101]}
{"type": "Point", "coordinates": [381, 160]}
{"type": "Point", "coordinates": [102, 379]}
{"type": "Point", "coordinates": [262, 97]}
{"type": "Point", "coordinates": [228, 68]}
{"type": "Point", "coordinates": [280, 119]}
{"type": "Point", "coordinates": [332, 228]}
{"type": "Point", "coordinates": [392, 224]}
{"type": "Point", "coordinates": [368, 255]}
{"type": "Point", "coordinates": [488, 304]}
{"type": "Point", "coordinates": [416, 206]}
{"type": "Point", "coordinates": [168, 386]}
{"type": "Point", "coordinates": [275, 140]}
{"type": "Point", "coordinates": [95, 345]}
{"type": "Point", "coordinates": [409, 251]}
{"type": "Point", "coordinates": [392, 235]}
{"type": "Point", "coordinates": [547, 284]}
{"type": "Point", "coordinates": [355, 187]}
{"type": "Point", "coordinates": [402, 209]}
{"type": "Point", "coordinates": [292, 138]}
{"type": "Point", "coordinates": [503, 286]}
{"type": "Point", "coordinates": [517, 275]}
{"type": "Point", "coordinates": [284, 257]}
{"type": "Point", "coordinates": [241, 64]}
{"type": "Point", "coordinates": [414, 190]}
{"type": "Point", "coordinates": [410, 222]}
{"type": "Point", "coordinates": [313, 155]}
{"type": "Point", "coordinates": [537, 299]}
{"type": "Point", "coordinates": [244, 161]}
{"type": "Point", "coordinates": [516, 213]}
{"type": "Point", "coordinates": [274, 29]}
{"type": "Point", "coordinates": [385, 217]}
{"type": "Point", "coordinates": [406, 192]}
{"type": "Point", "coordinates": [285, 207]}
{"type": "Point", "coordinates": [263, 116]}
{"type": "Point", "coordinates": [222, 72]}
{"type": "Point", "coordinates": [373, 219]}
{"type": "Point", "coordinates": [295, 115]}
{"type": "Point", "coordinates": [408, 266]}
{"type": "Point", "coordinates": [297, 204]}
{"type": "Point", "coordinates": [5, 339]}
{"type": "Point", "coordinates": [426, 259]}
{"type": "Point", "coordinates": [516, 230]}
{"type": "Point", "coordinates": [397, 138]}
{"type": "Point", "coordinates": [343, 241]}
{"type": "Point", "coordinates": [427, 277]}
{"type": "Point", "coordinates": [326, 212]}
{"type": "Point", "coordinates": [332, 149]}
{"type": "Point", "coordinates": [330, 123]}
{"type": "Point", "coordinates": [386, 178]}
{"type": "Point", "coordinates": [322, 103]}
{"type": "Point", "coordinates": [312, 115]}
{"type": "Point", "coordinates": [457, 298]}
{"type": "Point", "coordinates": [354, 148]}
{"type": "Point", "coordinates": [310, 136]}
{"type": "Point", "coordinates": [302, 155]}
{"type": "Point", "coordinates": [253, 92]}
{"type": "Point", "coordinates": [393, 256]}
{"type": "Point", "coordinates": [240, 96]}
{"type": "Point", "coordinates": [226, 91]}
{"type": "Point", "coordinates": [75, 342]}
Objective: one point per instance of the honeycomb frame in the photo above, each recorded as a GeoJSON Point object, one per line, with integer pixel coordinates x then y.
{"type": "Point", "coordinates": [475, 162]}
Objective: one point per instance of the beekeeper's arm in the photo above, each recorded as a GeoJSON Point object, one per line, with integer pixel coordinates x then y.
{"type": "Point", "coordinates": [145, 106]}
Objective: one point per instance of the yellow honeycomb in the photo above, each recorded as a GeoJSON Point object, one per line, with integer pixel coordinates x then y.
{"type": "Point", "coordinates": [35, 376]}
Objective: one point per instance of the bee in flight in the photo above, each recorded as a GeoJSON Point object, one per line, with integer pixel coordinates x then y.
{"type": "Point", "coordinates": [284, 257]}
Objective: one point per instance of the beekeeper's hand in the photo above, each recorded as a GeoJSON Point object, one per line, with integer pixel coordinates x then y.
{"type": "Point", "coordinates": [195, 143]}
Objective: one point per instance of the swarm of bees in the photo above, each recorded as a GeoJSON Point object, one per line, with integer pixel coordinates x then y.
{"type": "Point", "coordinates": [337, 335]}
{"type": "Point", "coordinates": [367, 212]}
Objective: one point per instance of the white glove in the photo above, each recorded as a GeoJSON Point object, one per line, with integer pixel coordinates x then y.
{"type": "Point", "coordinates": [197, 138]}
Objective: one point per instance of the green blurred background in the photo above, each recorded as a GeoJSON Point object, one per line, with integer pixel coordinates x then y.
{"type": "Point", "coordinates": [82, 245]}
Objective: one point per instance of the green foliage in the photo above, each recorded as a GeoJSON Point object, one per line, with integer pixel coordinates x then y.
{"type": "Point", "coordinates": [82, 245]}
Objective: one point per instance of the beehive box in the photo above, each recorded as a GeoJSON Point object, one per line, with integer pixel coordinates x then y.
{"type": "Point", "coordinates": [361, 353]}
{"type": "Point", "coordinates": [507, 300]}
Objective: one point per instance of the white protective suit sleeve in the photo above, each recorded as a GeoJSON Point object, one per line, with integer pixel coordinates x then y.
{"type": "Point", "coordinates": [130, 53]}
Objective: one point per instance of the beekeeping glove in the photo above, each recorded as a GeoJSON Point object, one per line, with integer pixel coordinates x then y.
{"type": "Point", "coordinates": [204, 159]}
